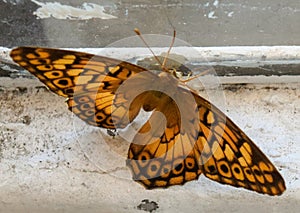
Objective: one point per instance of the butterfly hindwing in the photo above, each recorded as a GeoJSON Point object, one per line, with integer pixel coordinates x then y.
{"type": "Point", "coordinates": [221, 151]}
{"type": "Point", "coordinates": [162, 154]}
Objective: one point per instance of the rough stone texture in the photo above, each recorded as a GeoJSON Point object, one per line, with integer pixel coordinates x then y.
{"type": "Point", "coordinates": [53, 162]}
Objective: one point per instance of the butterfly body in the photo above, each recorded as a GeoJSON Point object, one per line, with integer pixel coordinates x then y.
{"type": "Point", "coordinates": [185, 135]}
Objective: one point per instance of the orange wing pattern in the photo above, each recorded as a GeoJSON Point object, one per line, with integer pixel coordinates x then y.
{"type": "Point", "coordinates": [230, 157]}
{"type": "Point", "coordinates": [173, 146]}
{"type": "Point", "coordinates": [88, 81]}
{"type": "Point", "coordinates": [219, 150]}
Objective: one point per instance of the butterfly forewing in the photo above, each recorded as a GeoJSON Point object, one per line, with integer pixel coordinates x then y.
{"type": "Point", "coordinates": [88, 81]}
{"type": "Point", "coordinates": [230, 157]}
{"type": "Point", "coordinates": [167, 150]}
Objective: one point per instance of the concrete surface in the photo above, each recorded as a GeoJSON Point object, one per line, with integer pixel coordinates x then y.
{"type": "Point", "coordinates": [53, 162]}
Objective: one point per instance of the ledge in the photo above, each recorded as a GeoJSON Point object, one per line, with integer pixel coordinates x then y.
{"type": "Point", "coordinates": [53, 162]}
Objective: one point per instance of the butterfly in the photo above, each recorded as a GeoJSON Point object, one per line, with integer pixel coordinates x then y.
{"type": "Point", "coordinates": [184, 137]}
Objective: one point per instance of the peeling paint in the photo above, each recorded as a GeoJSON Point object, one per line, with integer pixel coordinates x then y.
{"type": "Point", "coordinates": [230, 14]}
{"type": "Point", "coordinates": [216, 3]}
{"type": "Point", "coordinates": [60, 11]}
{"type": "Point", "coordinates": [13, 2]}
{"type": "Point", "coordinates": [211, 15]}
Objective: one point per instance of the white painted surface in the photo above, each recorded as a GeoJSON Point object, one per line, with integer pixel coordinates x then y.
{"type": "Point", "coordinates": [61, 11]}
{"type": "Point", "coordinates": [57, 163]}
{"type": "Point", "coordinates": [234, 54]}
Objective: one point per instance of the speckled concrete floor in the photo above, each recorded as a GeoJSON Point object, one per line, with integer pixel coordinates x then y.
{"type": "Point", "coordinates": [53, 162]}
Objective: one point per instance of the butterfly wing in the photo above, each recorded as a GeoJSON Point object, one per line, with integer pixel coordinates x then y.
{"type": "Point", "coordinates": [167, 155]}
{"type": "Point", "coordinates": [219, 150]}
{"type": "Point", "coordinates": [88, 81]}
{"type": "Point", "coordinates": [162, 153]}
{"type": "Point", "coordinates": [229, 156]}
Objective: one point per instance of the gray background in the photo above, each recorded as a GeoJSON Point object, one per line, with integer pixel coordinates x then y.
{"type": "Point", "coordinates": [234, 22]}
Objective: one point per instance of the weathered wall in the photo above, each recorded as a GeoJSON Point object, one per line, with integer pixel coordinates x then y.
{"type": "Point", "coordinates": [200, 23]}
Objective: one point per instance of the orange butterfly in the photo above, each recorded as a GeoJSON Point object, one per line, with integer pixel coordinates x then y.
{"type": "Point", "coordinates": [192, 136]}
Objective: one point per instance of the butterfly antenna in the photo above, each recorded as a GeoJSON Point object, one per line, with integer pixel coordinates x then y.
{"type": "Point", "coordinates": [172, 42]}
{"type": "Point", "coordinates": [169, 50]}
{"type": "Point", "coordinates": [137, 31]}
{"type": "Point", "coordinates": [200, 74]}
